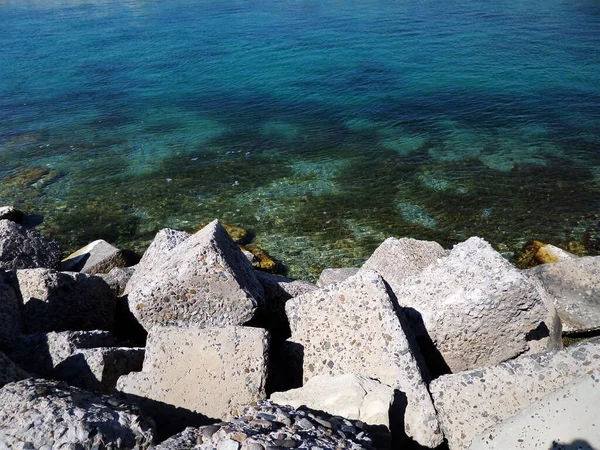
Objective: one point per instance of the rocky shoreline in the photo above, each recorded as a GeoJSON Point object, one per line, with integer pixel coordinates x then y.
{"type": "Point", "coordinates": [191, 347]}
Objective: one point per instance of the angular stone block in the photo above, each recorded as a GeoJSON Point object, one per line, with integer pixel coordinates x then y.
{"type": "Point", "coordinates": [468, 403]}
{"type": "Point", "coordinates": [332, 276]}
{"type": "Point", "coordinates": [204, 281]}
{"type": "Point", "coordinates": [21, 248]}
{"type": "Point", "coordinates": [352, 327]}
{"type": "Point", "coordinates": [61, 301]}
{"type": "Point", "coordinates": [96, 257]}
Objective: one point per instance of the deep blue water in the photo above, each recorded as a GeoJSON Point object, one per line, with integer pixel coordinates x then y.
{"type": "Point", "coordinates": [321, 126]}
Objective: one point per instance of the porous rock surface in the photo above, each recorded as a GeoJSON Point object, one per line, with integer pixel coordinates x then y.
{"type": "Point", "coordinates": [10, 312]}
{"type": "Point", "coordinates": [9, 371]}
{"type": "Point", "coordinates": [21, 248]}
{"type": "Point", "coordinates": [270, 426]}
{"type": "Point", "coordinates": [204, 281]}
{"type": "Point", "coordinates": [158, 250]}
{"type": "Point", "coordinates": [476, 308]}
{"type": "Point", "coordinates": [54, 415]}
{"type": "Point", "coordinates": [559, 420]}
{"type": "Point", "coordinates": [96, 257]}
{"type": "Point", "coordinates": [574, 287]}
{"type": "Point", "coordinates": [468, 403]}
{"type": "Point", "coordinates": [332, 276]}
{"type": "Point", "coordinates": [351, 396]}
{"type": "Point", "coordinates": [208, 371]}
{"type": "Point", "coordinates": [351, 327]}
{"type": "Point", "coordinates": [118, 278]}
{"type": "Point", "coordinates": [60, 301]}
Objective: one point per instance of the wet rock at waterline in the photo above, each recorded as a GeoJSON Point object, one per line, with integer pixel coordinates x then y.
{"type": "Point", "coordinates": [21, 248]}
{"type": "Point", "coordinates": [10, 213]}
{"type": "Point", "coordinates": [352, 327]}
{"type": "Point", "coordinates": [204, 281]}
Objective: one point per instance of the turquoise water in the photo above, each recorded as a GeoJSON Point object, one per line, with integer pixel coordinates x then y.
{"type": "Point", "coordinates": [322, 127]}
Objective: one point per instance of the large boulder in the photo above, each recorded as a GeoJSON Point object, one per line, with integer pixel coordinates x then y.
{"type": "Point", "coordinates": [566, 418]}
{"type": "Point", "coordinates": [21, 248]}
{"type": "Point", "coordinates": [205, 372]}
{"type": "Point", "coordinates": [10, 310]}
{"type": "Point", "coordinates": [269, 426]}
{"type": "Point", "coordinates": [156, 253]}
{"type": "Point", "coordinates": [574, 287]}
{"type": "Point", "coordinates": [476, 308]}
{"type": "Point", "coordinates": [204, 281]}
{"type": "Point", "coordinates": [61, 301]}
{"type": "Point", "coordinates": [54, 415]}
{"type": "Point", "coordinates": [352, 327]}
{"type": "Point", "coordinates": [351, 396]}
{"type": "Point", "coordinates": [468, 403]}
{"type": "Point", "coordinates": [9, 371]}
{"type": "Point", "coordinates": [96, 257]}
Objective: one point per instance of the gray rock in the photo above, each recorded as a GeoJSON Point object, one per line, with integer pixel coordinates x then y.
{"type": "Point", "coordinates": [164, 241]}
{"type": "Point", "coordinates": [208, 371]}
{"type": "Point", "coordinates": [40, 353]}
{"type": "Point", "coordinates": [68, 417]}
{"type": "Point", "coordinates": [98, 369]}
{"type": "Point", "coordinates": [476, 308]}
{"type": "Point", "coordinates": [351, 327]}
{"type": "Point", "coordinates": [269, 426]}
{"type": "Point", "coordinates": [60, 301]}
{"type": "Point", "coordinates": [204, 281]}
{"type": "Point", "coordinates": [469, 403]}
{"type": "Point", "coordinates": [396, 259]}
{"type": "Point", "coordinates": [21, 248]}
{"type": "Point", "coordinates": [558, 420]}
{"type": "Point", "coordinates": [351, 396]}
{"type": "Point", "coordinates": [97, 257]}
{"type": "Point", "coordinates": [10, 313]}
{"type": "Point", "coordinates": [332, 276]}
{"type": "Point", "coordinates": [574, 287]}
{"type": "Point", "coordinates": [118, 278]}
{"type": "Point", "coordinates": [10, 213]}
{"type": "Point", "coordinates": [9, 371]}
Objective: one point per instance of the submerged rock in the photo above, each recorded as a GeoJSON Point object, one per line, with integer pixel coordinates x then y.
{"type": "Point", "coordinates": [21, 248]}
{"type": "Point", "coordinates": [537, 252]}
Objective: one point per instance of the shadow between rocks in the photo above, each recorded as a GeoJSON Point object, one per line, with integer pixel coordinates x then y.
{"type": "Point", "coordinates": [578, 444]}
{"type": "Point", "coordinates": [127, 329]}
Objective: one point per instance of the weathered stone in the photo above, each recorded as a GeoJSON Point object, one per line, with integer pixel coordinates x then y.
{"type": "Point", "coordinates": [21, 248]}
{"type": "Point", "coordinates": [537, 252]}
{"type": "Point", "coordinates": [10, 313]}
{"type": "Point", "coordinates": [469, 403]}
{"type": "Point", "coordinates": [164, 241]}
{"type": "Point", "coordinates": [10, 213]}
{"type": "Point", "coordinates": [98, 369]}
{"type": "Point", "coordinates": [204, 281]}
{"type": "Point", "coordinates": [9, 371]}
{"type": "Point", "coordinates": [351, 396]}
{"type": "Point", "coordinates": [351, 327]}
{"type": "Point", "coordinates": [40, 353]}
{"type": "Point", "coordinates": [559, 420]}
{"type": "Point", "coordinates": [476, 308]}
{"type": "Point", "coordinates": [51, 411]}
{"type": "Point", "coordinates": [396, 259]}
{"type": "Point", "coordinates": [61, 301]}
{"type": "Point", "coordinates": [251, 431]}
{"type": "Point", "coordinates": [118, 278]}
{"type": "Point", "coordinates": [332, 276]}
{"type": "Point", "coordinates": [207, 371]}
{"type": "Point", "coordinates": [97, 257]}
{"type": "Point", "coordinates": [574, 288]}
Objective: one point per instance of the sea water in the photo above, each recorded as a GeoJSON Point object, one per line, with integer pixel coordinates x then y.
{"type": "Point", "coordinates": [321, 126]}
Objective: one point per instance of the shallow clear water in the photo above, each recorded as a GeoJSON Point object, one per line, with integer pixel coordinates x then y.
{"type": "Point", "coordinates": [323, 127]}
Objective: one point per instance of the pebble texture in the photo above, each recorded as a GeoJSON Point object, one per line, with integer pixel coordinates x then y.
{"type": "Point", "coordinates": [21, 248]}
{"type": "Point", "coordinates": [164, 241]}
{"type": "Point", "coordinates": [352, 396]}
{"type": "Point", "coordinates": [574, 287]}
{"type": "Point", "coordinates": [55, 415]}
{"type": "Point", "coordinates": [396, 259]}
{"type": "Point", "coordinates": [205, 281]}
{"type": "Point", "coordinates": [267, 426]}
{"type": "Point", "coordinates": [332, 276]}
{"type": "Point", "coordinates": [352, 327]}
{"type": "Point", "coordinates": [10, 314]}
{"type": "Point", "coordinates": [60, 301]}
{"type": "Point", "coordinates": [208, 371]}
{"type": "Point", "coordinates": [568, 415]}
{"type": "Point", "coordinates": [98, 369]}
{"type": "Point", "coordinates": [476, 308]}
{"type": "Point", "coordinates": [469, 403]}
{"type": "Point", "coordinates": [96, 257]}
{"type": "Point", "coordinates": [9, 371]}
